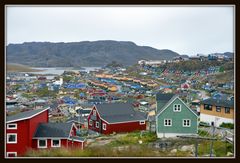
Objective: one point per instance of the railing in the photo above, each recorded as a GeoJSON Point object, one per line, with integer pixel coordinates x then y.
{"type": "Point", "coordinates": [229, 137]}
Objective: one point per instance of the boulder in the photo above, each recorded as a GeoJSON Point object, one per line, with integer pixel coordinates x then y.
{"type": "Point", "coordinates": [173, 151]}
{"type": "Point", "coordinates": [187, 148]}
{"type": "Point", "coordinates": [229, 154]}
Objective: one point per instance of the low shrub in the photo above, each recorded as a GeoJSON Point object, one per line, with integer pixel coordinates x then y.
{"type": "Point", "coordinates": [227, 125]}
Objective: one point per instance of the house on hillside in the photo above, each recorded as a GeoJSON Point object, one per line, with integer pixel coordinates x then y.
{"type": "Point", "coordinates": [30, 129]}
{"type": "Point", "coordinates": [116, 117]}
{"type": "Point", "coordinates": [174, 117]}
{"type": "Point", "coordinates": [51, 135]}
{"type": "Point", "coordinates": [80, 121]}
{"type": "Point", "coordinates": [185, 86]}
{"type": "Point", "coordinates": [20, 130]}
{"type": "Point", "coordinates": [217, 111]}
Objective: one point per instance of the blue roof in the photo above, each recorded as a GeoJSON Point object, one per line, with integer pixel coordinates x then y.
{"type": "Point", "coordinates": [68, 100]}
{"type": "Point", "coordinates": [74, 85]}
{"type": "Point", "coordinates": [136, 86]}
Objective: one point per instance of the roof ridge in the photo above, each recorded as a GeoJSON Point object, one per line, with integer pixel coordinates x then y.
{"type": "Point", "coordinates": [169, 101]}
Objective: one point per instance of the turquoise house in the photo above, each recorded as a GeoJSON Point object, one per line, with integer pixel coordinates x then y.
{"type": "Point", "coordinates": [174, 117]}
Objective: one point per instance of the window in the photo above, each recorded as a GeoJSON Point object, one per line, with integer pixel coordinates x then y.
{"type": "Point", "coordinates": [42, 143]}
{"type": "Point", "coordinates": [207, 107]}
{"type": "Point", "coordinates": [11, 154]}
{"type": "Point", "coordinates": [167, 122]}
{"type": "Point", "coordinates": [218, 108]}
{"type": "Point", "coordinates": [90, 122]}
{"type": "Point", "coordinates": [97, 124]}
{"type": "Point", "coordinates": [142, 122]}
{"type": "Point", "coordinates": [11, 138]}
{"type": "Point", "coordinates": [56, 143]}
{"type": "Point", "coordinates": [12, 126]}
{"type": "Point", "coordinates": [104, 126]}
{"type": "Point", "coordinates": [186, 122]}
{"type": "Point", "coordinates": [177, 108]}
{"type": "Point", "coordinates": [227, 110]}
{"type": "Point", "coordinates": [94, 112]}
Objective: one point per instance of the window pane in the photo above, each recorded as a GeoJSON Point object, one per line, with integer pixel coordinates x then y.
{"type": "Point", "coordinates": [42, 143]}
{"type": "Point", "coordinates": [227, 110]}
{"type": "Point", "coordinates": [12, 155]}
{"type": "Point", "coordinates": [11, 126]}
{"type": "Point", "coordinates": [218, 108]}
{"type": "Point", "coordinates": [12, 138]}
{"type": "Point", "coordinates": [55, 142]}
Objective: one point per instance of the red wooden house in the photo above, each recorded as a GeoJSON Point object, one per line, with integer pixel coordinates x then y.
{"type": "Point", "coordinates": [51, 135]}
{"type": "Point", "coordinates": [21, 130]}
{"type": "Point", "coordinates": [116, 117]}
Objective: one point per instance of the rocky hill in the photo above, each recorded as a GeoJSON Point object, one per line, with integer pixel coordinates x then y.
{"type": "Point", "coordinates": [86, 53]}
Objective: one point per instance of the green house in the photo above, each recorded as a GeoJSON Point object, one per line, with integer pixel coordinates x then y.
{"type": "Point", "coordinates": [174, 117]}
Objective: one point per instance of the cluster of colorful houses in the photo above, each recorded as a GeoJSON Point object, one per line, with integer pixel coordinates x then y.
{"type": "Point", "coordinates": [32, 129]}
{"type": "Point", "coordinates": [106, 102]}
{"type": "Point", "coordinates": [200, 57]}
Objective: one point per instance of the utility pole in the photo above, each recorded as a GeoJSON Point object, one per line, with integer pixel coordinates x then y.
{"type": "Point", "coordinates": [211, 147]}
{"type": "Point", "coordinates": [196, 148]}
{"type": "Point", "coordinates": [196, 141]}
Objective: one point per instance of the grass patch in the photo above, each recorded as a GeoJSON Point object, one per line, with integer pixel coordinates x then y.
{"type": "Point", "coordinates": [203, 133]}
{"type": "Point", "coordinates": [20, 68]}
{"type": "Point", "coordinates": [227, 125]}
{"type": "Point", "coordinates": [220, 148]}
{"type": "Point", "coordinates": [134, 138]}
{"type": "Point", "coordinates": [130, 151]}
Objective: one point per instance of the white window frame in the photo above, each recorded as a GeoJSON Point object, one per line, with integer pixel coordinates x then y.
{"type": "Point", "coordinates": [90, 122]}
{"type": "Point", "coordinates": [42, 146]}
{"type": "Point", "coordinates": [94, 113]}
{"type": "Point", "coordinates": [141, 122]}
{"type": "Point", "coordinates": [9, 142]}
{"type": "Point", "coordinates": [58, 145]}
{"type": "Point", "coordinates": [15, 153]}
{"type": "Point", "coordinates": [176, 105]}
{"type": "Point", "coordinates": [104, 126]}
{"type": "Point", "coordinates": [227, 108]}
{"type": "Point", "coordinates": [219, 109]}
{"type": "Point", "coordinates": [97, 124]}
{"type": "Point", "coordinates": [11, 128]}
{"type": "Point", "coordinates": [186, 122]}
{"type": "Point", "coordinates": [167, 123]}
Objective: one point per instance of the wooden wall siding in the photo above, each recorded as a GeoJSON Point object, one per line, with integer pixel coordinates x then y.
{"type": "Point", "coordinates": [215, 113]}
{"type": "Point", "coordinates": [25, 131]}
{"type": "Point", "coordinates": [124, 127]}
{"type": "Point", "coordinates": [177, 118]}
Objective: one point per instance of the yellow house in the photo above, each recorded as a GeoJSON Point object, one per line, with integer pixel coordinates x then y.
{"type": "Point", "coordinates": [217, 111]}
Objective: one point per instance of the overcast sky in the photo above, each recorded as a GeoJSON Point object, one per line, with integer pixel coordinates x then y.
{"type": "Point", "coordinates": [185, 30]}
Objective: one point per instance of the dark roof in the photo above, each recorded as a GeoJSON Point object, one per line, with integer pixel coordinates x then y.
{"type": "Point", "coordinates": [109, 109]}
{"type": "Point", "coordinates": [83, 111]}
{"type": "Point", "coordinates": [53, 130]}
{"type": "Point", "coordinates": [218, 102]}
{"type": "Point", "coordinates": [24, 115]}
{"type": "Point", "coordinates": [137, 116]}
{"type": "Point", "coordinates": [163, 99]}
{"type": "Point", "coordinates": [119, 112]}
